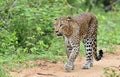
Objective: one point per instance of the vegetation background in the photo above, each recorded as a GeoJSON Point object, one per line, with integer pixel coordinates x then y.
{"type": "Point", "coordinates": [26, 29]}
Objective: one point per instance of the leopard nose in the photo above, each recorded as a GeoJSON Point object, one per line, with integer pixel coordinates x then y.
{"type": "Point", "coordinates": [56, 31]}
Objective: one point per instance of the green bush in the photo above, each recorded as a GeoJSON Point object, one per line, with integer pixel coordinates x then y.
{"type": "Point", "coordinates": [30, 22]}
{"type": "Point", "coordinates": [8, 41]}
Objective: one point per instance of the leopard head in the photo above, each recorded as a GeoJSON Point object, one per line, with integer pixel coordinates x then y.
{"type": "Point", "coordinates": [63, 27]}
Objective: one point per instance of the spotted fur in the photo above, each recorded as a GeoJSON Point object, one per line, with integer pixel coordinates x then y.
{"type": "Point", "coordinates": [75, 29]}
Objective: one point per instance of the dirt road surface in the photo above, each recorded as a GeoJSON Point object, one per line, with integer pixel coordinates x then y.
{"type": "Point", "coordinates": [49, 69]}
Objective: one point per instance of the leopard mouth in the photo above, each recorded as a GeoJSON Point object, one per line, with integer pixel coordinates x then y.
{"type": "Point", "coordinates": [59, 34]}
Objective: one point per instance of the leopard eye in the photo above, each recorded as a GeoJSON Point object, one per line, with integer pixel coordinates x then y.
{"type": "Point", "coordinates": [61, 25]}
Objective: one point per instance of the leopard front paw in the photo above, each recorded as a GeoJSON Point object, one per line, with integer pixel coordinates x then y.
{"type": "Point", "coordinates": [69, 66]}
{"type": "Point", "coordinates": [86, 66]}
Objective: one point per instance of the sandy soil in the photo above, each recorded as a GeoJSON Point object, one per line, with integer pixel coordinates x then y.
{"type": "Point", "coordinates": [49, 69]}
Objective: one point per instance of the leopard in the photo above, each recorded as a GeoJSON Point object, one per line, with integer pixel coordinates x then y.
{"type": "Point", "coordinates": [76, 29]}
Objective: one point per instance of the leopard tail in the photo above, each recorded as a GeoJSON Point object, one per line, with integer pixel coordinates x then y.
{"type": "Point", "coordinates": [99, 56]}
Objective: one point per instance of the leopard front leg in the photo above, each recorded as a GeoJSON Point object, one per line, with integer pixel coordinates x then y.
{"type": "Point", "coordinates": [72, 56]}
{"type": "Point", "coordinates": [68, 47]}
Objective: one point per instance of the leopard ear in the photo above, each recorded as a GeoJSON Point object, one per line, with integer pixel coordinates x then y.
{"type": "Point", "coordinates": [69, 18]}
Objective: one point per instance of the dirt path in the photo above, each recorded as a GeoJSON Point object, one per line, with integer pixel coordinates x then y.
{"type": "Point", "coordinates": [49, 69]}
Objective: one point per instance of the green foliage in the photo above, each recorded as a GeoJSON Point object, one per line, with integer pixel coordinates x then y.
{"type": "Point", "coordinates": [108, 32]}
{"type": "Point", "coordinates": [2, 72]}
{"type": "Point", "coordinates": [111, 72]}
{"type": "Point", "coordinates": [31, 23]}
{"type": "Point", "coordinates": [8, 41]}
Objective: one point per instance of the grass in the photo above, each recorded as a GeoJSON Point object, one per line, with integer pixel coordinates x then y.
{"type": "Point", "coordinates": [3, 72]}
{"type": "Point", "coordinates": [111, 72]}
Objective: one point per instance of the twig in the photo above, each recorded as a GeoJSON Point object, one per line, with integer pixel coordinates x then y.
{"type": "Point", "coordinates": [45, 74]}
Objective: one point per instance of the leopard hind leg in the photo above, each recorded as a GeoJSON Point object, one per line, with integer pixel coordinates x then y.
{"type": "Point", "coordinates": [89, 54]}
